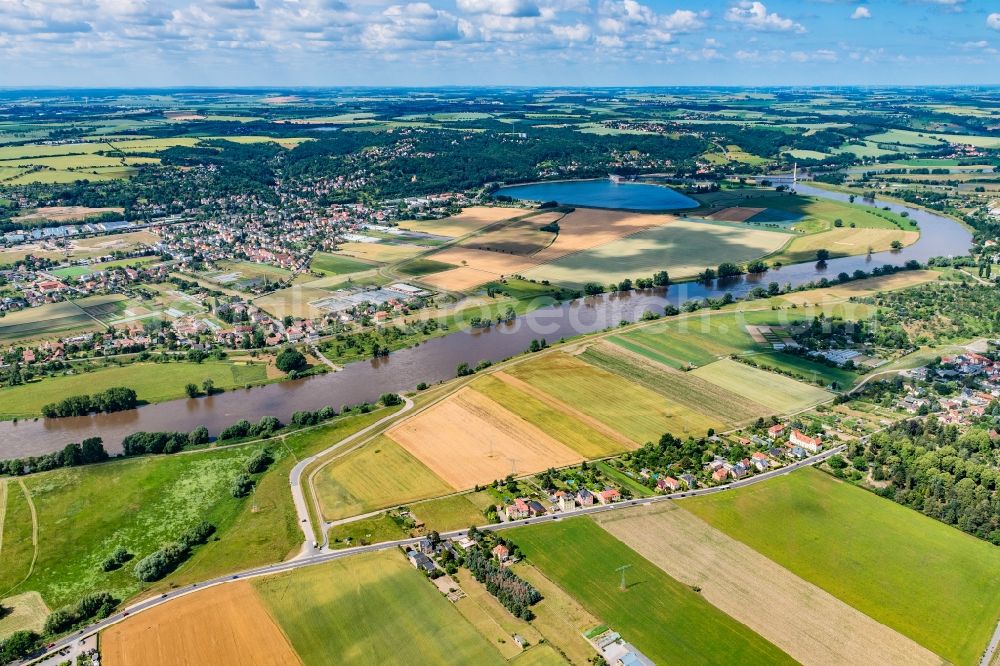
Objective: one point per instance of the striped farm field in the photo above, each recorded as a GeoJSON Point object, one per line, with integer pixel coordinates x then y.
{"type": "Point", "coordinates": [927, 580]}
{"type": "Point", "coordinates": [777, 392]}
{"type": "Point", "coordinates": [635, 411]}
{"type": "Point", "coordinates": [468, 439]}
{"type": "Point", "coordinates": [668, 621]}
{"type": "Point", "coordinates": [688, 389]}
{"type": "Point", "coordinates": [371, 609]}
{"type": "Point", "coordinates": [811, 625]}
{"type": "Point", "coordinates": [571, 429]}
{"type": "Point", "coordinates": [377, 475]}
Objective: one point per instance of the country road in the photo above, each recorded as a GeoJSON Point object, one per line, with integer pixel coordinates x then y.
{"type": "Point", "coordinates": [307, 560]}
{"type": "Point", "coordinates": [295, 479]}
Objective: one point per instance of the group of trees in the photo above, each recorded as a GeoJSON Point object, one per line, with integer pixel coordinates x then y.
{"type": "Point", "coordinates": [90, 451]}
{"type": "Point", "coordinates": [114, 399]}
{"type": "Point", "coordinates": [516, 594]}
{"type": "Point", "coordinates": [265, 427]}
{"type": "Point", "coordinates": [290, 360]}
{"type": "Point", "coordinates": [93, 606]}
{"type": "Point", "coordinates": [934, 469]}
{"type": "Point", "coordinates": [140, 443]}
{"type": "Point", "coordinates": [159, 563]}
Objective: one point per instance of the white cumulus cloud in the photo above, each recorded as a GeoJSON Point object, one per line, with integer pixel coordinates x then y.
{"type": "Point", "coordinates": [861, 13]}
{"type": "Point", "coordinates": [993, 20]}
{"type": "Point", "coordinates": [754, 15]}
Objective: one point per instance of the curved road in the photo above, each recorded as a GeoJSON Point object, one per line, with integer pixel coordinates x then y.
{"type": "Point", "coordinates": [306, 560]}
{"type": "Point", "coordinates": [295, 481]}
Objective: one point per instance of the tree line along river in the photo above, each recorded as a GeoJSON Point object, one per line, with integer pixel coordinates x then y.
{"type": "Point", "coordinates": [436, 359]}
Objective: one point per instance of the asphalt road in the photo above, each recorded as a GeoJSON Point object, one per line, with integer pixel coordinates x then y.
{"type": "Point", "coordinates": [320, 556]}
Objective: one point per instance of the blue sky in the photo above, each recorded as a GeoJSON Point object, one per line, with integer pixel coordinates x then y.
{"type": "Point", "coordinates": [486, 42]}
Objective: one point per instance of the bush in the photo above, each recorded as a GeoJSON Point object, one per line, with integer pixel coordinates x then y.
{"type": "Point", "coordinates": [158, 564]}
{"type": "Point", "coordinates": [18, 645]}
{"type": "Point", "coordinates": [259, 462]}
{"type": "Point", "coordinates": [390, 399]}
{"type": "Point", "coordinates": [119, 557]}
{"type": "Point", "coordinates": [242, 485]}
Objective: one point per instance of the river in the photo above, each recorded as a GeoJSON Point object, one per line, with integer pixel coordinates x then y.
{"type": "Point", "coordinates": [436, 360]}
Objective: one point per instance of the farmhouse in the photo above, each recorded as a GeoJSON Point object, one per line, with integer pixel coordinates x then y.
{"type": "Point", "coordinates": [776, 431]}
{"type": "Point", "coordinates": [501, 552]}
{"type": "Point", "coordinates": [668, 483]}
{"type": "Point", "coordinates": [810, 444]}
{"type": "Point", "coordinates": [519, 509]}
{"type": "Point", "coordinates": [420, 561]}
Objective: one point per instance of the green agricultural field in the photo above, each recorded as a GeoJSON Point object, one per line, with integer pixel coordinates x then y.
{"type": "Point", "coordinates": [47, 320]}
{"type": "Point", "coordinates": [922, 139]}
{"type": "Point", "coordinates": [77, 271]}
{"type": "Point", "coordinates": [631, 409]}
{"type": "Point", "coordinates": [805, 369]}
{"type": "Point", "coordinates": [454, 512]}
{"type": "Point", "coordinates": [378, 475]}
{"type": "Point", "coordinates": [927, 580]}
{"type": "Point", "coordinates": [713, 401]}
{"type": "Point", "coordinates": [682, 248]}
{"type": "Point", "coordinates": [666, 620]}
{"type": "Point", "coordinates": [578, 436]}
{"type": "Point", "coordinates": [367, 530]}
{"type": "Point", "coordinates": [709, 336]}
{"type": "Point", "coordinates": [386, 613]}
{"type": "Point", "coordinates": [776, 392]}
{"type": "Point", "coordinates": [153, 382]}
{"type": "Point", "coordinates": [337, 264]}
{"type": "Point", "coordinates": [419, 267]}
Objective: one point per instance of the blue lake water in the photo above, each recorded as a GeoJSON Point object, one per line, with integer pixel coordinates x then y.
{"type": "Point", "coordinates": [602, 193]}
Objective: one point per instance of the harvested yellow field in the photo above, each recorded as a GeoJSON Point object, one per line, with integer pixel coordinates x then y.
{"type": "Point", "coordinates": [469, 220]}
{"type": "Point", "coordinates": [585, 228]}
{"type": "Point", "coordinates": [384, 253]}
{"type": "Point", "coordinates": [294, 301]}
{"type": "Point", "coordinates": [861, 288]}
{"type": "Point", "coordinates": [520, 237]}
{"type": "Point", "coordinates": [490, 262]}
{"type": "Point", "coordinates": [222, 625]}
{"type": "Point", "coordinates": [117, 241]}
{"type": "Point", "coordinates": [468, 439]}
{"type": "Point", "coordinates": [458, 279]}
{"type": "Point", "coordinates": [811, 625]}
{"type": "Point", "coordinates": [843, 241]}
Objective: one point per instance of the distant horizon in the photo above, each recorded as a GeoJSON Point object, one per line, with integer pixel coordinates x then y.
{"type": "Point", "coordinates": [498, 87]}
{"type": "Point", "coordinates": [526, 43]}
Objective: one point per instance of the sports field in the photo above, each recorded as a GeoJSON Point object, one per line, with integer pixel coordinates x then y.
{"type": "Point", "coordinates": [926, 580]}
{"type": "Point", "coordinates": [153, 382]}
{"type": "Point", "coordinates": [777, 392]}
{"type": "Point", "coordinates": [224, 624]}
{"type": "Point", "coordinates": [842, 242]}
{"type": "Point", "coordinates": [572, 428]}
{"type": "Point", "coordinates": [682, 248]}
{"type": "Point", "coordinates": [370, 609]}
{"type": "Point", "coordinates": [633, 410]}
{"type": "Point", "coordinates": [378, 475]}
{"type": "Point", "coordinates": [809, 624]}
{"type": "Point", "coordinates": [712, 400]}
{"type": "Point", "coordinates": [468, 439]}
{"type": "Point", "coordinates": [469, 220]}
{"type": "Point", "coordinates": [667, 621]}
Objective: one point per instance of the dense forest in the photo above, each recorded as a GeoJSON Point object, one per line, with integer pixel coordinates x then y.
{"type": "Point", "coordinates": [934, 469]}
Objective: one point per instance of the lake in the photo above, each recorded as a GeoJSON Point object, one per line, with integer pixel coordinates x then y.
{"type": "Point", "coordinates": [602, 193]}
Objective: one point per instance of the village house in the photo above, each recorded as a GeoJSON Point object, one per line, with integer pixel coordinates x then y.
{"type": "Point", "coordinates": [720, 474]}
{"type": "Point", "coordinates": [689, 480]}
{"type": "Point", "coordinates": [518, 510]}
{"type": "Point", "coordinates": [667, 483]}
{"type": "Point", "coordinates": [810, 444]}
{"type": "Point", "coordinates": [776, 431]}
{"type": "Point", "coordinates": [608, 496]}
{"type": "Point", "coordinates": [584, 497]}
{"type": "Point", "coordinates": [501, 552]}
